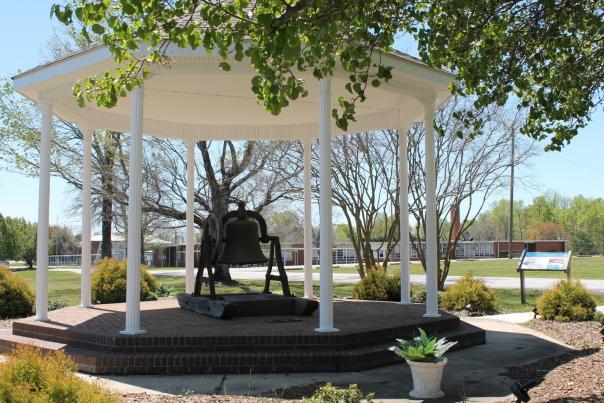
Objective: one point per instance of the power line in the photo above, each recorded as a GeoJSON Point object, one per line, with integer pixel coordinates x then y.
{"type": "Point", "coordinates": [580, 164]}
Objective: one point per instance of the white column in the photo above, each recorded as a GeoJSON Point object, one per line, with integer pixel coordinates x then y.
{"type": "Point", "coordinates": [134, 215]}
{"type": "Point", "coordinates": [326, 242]}
{"type": "Point", "coordinates": [86, 216]}
{"type": "Point", "coordinates": [432, 247]}
{"type": "Point", "coordinates": [403, 172]}
{"type": "Point", "coordinates": [308, 293]}
{"type": "Point", "coordinates": [43, 207]}
{"type": "Point", "coordinates": [190, 241]}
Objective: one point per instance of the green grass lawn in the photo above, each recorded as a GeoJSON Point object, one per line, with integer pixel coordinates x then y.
{"type": "Point", "coordinates": [65, 286]}
{"type": "Point", "coordinates": [62, 286]}
{"type": "Point", "coordinates": [581, 268]}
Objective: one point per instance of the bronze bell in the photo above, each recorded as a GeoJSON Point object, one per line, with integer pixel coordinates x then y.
{"type": "Point", "coordinates": [241, 243]}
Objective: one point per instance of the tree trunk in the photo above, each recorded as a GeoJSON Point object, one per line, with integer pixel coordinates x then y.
{"type": "Point", "coordinates": [106, 224]}
{"type": "Point", "coordinates": [108, 192]}
{"type": "Point", "coordinates": [368, 254]}
{"type": "Point", "coordinates": [142, 247]}
{"type": "Point", "coordinates": [220, 206]}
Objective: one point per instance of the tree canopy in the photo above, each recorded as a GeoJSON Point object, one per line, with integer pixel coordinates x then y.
{"type": "Point", "coordinates": [547, 54]}
{"type": "Point", "coordinates": [579, 220]}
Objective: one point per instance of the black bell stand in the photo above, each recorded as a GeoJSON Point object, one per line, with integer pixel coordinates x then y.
{"type": "Point", "coordinates": [250, 304]}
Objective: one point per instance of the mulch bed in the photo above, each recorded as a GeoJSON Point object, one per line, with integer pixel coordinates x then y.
{"type": "Point", "coordinates": [575, 376]}
{"type": "Point", "coordinates": [577, 334]}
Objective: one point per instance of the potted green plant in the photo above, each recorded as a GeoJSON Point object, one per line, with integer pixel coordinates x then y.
{"type": "Point", "coordinates": [425, 356]}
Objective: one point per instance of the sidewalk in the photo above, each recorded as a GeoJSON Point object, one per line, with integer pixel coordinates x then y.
{"type": "Point", "coordinates": [474, 374]}
{"type": "Point", "coordinates": [258, 273]}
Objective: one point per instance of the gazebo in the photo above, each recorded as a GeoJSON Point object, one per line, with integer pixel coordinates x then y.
{"type": "Point", "coordinates": [194, 100]}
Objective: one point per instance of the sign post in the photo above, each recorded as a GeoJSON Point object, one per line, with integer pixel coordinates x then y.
{"type": "Point", "coordinates": [542, 261]}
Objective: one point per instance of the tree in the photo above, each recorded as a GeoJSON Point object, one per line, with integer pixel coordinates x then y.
{"type": "Point", "coordinates": [493, 225]}
{"type": "Point", "coordinates": [545, 231]}
{"type": "Point", "coordinates": [260, 173]}
{"type": "Point", "coordinates": [61, 241]}
{"type": "Point", "coordinates": [551, 216]}
{"type": "Point", "coordinates": [288, 225]}
{"type": "Point", "coordinates": [469, 172]}
{"type": "Point", "coordinates": [19, 151]}
{"type": "Point", "coordinates": [547, 53]}
{"type": "Point", "coordinates": [342, 233]}
{"type": "Point", "coordinates": [17, 240]}
{"type": "Point", "coordinates": [364, 175]}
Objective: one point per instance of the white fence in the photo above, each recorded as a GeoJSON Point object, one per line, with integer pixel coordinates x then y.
{"type": "Point", "coordinates": [76, 260]}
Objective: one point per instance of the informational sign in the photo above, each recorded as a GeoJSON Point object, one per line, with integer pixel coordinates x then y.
{"type": "Point", "coordinates": [542, 261]}
{"type": "Point", "coordinates": [557, 261]}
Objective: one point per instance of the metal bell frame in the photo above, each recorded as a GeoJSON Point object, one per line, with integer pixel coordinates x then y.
{"type": "Point", "coordinates": [212, 244]}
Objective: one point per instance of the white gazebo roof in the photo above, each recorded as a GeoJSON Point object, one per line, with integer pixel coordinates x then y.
{"type": "Point", "coordinates": [193, 99]}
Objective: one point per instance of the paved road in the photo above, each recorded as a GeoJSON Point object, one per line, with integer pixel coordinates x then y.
{"type": "Point", "coordinates": [257, 273]}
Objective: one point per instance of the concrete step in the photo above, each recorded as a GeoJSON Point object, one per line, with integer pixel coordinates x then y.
{"type": "Point", "coordinates": [234, 342]}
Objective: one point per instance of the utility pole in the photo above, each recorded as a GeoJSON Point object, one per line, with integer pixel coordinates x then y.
{"type": "Point", "coordinates": [511, 229]}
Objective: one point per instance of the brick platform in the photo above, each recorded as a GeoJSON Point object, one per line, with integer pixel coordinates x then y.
{"type": "Point", "coordinates": [180, 341]}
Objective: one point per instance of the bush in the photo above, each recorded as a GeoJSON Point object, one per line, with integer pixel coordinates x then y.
{"type": "Point", "coordinates": [567, 301]}
{"type": "Point", "coordinates": [109, 282]}
{"type": "Point", "coordinates": [332, 394]}
{"type": "Point", "coordinates": [469, 294]}
{"type": "Point", "coordinates": [16, 298]}
{"type": "Point", "coordinates": [418, 294]}
{"type": "Point", "coordinates": [378, 285]}
{"type": "Point", "coordinates": [54, 305]}
{"type": "Point", "coordinates": [29, 376]}
{"type": "Point", "coordinates": [163, 291]}
{"type": "Point", "coordinates": [599, 317]}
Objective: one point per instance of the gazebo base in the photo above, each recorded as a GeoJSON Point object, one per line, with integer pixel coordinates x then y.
{"type": "Point", "coordinates": [251, 304]}
{"type": "Point", "coordinates": [181, 341]}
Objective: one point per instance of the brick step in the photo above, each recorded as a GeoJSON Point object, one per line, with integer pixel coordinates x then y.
{"type": "Point", "coordinates": [254, 342]}
{"type": "Point", "coordinates": [244, 361]}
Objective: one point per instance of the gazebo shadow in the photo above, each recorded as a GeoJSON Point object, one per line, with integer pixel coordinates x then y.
{"type": "Point", "coordinates": [478, 372]}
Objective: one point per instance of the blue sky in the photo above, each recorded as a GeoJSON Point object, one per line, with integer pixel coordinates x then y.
{"type": "Point", "coordinates": [25, 27]}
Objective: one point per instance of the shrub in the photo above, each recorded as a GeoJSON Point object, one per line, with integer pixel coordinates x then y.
{"type": "Point", "coordinates": [109, 282]}
{"type": "Point", "coordinates": [418, 294]}
{"type": "Point", "coordinates": [54, 305]}
{"type": "Point", "coordinates": [378, 285]}
{"type": "Point", "coordinates": [16, 298]}
{"type": "Point", "coordinates": [470, 294]}
{"type": "Point", "coordinates": [329, 393]}
{"type": "Point", "coordinates": [29, 376]}
{"type": "Point", "coordinates": [567, 301]}
{"type": "Point", "coordinates": [163, 291]}
{"type": "Point", "coordinates": [599, 317]}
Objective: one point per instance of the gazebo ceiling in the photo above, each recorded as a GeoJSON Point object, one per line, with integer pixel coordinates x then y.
{"type": "Point", "coordinates": [193, 99]}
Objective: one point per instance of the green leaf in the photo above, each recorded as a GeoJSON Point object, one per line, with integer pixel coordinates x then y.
{"type": "Point", "coordinates": [97, 29]}
{"type": "Point", "coordinates": [224, 66]}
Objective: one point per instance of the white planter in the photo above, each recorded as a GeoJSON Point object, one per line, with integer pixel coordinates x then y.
{"type": "Point", "coordinates": [427, 378]}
